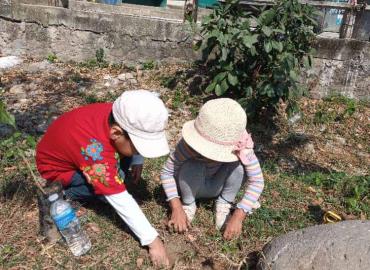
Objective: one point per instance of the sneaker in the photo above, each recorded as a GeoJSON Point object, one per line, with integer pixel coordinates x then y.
{"type": "Point", "coordinates": [190, 210]}
{"type": "Point", "coordinates": [222, 213]}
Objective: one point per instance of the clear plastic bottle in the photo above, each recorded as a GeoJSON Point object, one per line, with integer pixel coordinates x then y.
{"type": "Point", "coordinates": [68, 224]}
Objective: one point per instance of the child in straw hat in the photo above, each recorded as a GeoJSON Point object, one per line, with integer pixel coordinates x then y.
{"type": "Point", "coordinates": [212, 160]}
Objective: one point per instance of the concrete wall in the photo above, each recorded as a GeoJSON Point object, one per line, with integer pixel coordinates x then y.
{"type": "Point", "coordinates": [125, 32]}
{"type": "Point", "coordinates": [341, 66]}
{"type": "Point", "coordinates": [138, 33]}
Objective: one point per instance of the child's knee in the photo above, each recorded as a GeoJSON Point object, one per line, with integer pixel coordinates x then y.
{"type": "Point", "coordinates": [237, 174]}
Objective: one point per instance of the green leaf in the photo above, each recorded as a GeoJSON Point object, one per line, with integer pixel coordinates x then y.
{"type": "Point", "coordinates": [218, 90]}
{"type": "Point", "coordinates": [224, 87]}
{"type": "Point", "coordinates": [248, 41]}
{"type": "Point", "coordinates": [293, 75]}
{"type": "Point", "coordinates": [248, 91]}
{"type": "Point", "coordinates": [233, 80]}
{"type": "Point", "coordinates": [268, 46]}
{"type": "Point", "coordinates": [197, 45]}
{"type": "Point", "coordinates": [5, 117]}
{"type": "Point", "coordinates": [225, 53]}
{"type": "Point", "coordinates": [211, 87]}
{"type": "Point", "coordinates": [277, 45]}
{"type": "Point", "coordinates": [266, 30]}
{"type": "Point", "coordinates": [220, 76]}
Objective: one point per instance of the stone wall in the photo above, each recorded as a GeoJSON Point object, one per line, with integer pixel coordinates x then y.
{"type": "Point", "coordinates": [341, 66]}
{"type": "Point", "coordinates": [137, 33]}
{"type": "Point", "coordinates": [126, 34]}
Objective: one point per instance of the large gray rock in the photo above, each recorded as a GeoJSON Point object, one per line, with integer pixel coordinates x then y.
{"type": "Point", "coordinates": [344, 245]}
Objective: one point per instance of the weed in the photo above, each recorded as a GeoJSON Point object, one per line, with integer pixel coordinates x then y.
{"type": "Point", "coordinates": [149, 65]}
{"type": "Point", "coordinates": [168, 81]}
{"type": "Point", "coordinates": [52, 58]}
{"type": "Point", "coordinates": [178, 98]}
{"type": "Point", "coordinates": [76, 77]}
{"type": "Point", "coordinates": [326, 114]}
{"type": "Point", "coordinates": [98, 62]}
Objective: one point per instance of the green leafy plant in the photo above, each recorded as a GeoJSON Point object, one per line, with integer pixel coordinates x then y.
{"type": "Point", "coordinates": [52, 58]}
{"type": "Point", "coordinates": [5, 117]}
{"type": "Point", "coordinates": [149, 65]}
{"type": "Point", "coordinates": [258, 66]}
{"type": "Point", "coordinates": [99, 60]}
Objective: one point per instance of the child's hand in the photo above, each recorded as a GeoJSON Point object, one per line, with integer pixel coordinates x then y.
{"type": "Point", "coordinates": [136, 171]}
{"type": "Point", "coordinates": [234, 225]}
{"type": "Point", "coordinates": [158, 254]}
{"type": "Point", "coordinates": [178, 220]}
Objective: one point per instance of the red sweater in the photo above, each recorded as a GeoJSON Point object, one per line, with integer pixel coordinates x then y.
{"type": "Point", "coordinates": [79, 140]}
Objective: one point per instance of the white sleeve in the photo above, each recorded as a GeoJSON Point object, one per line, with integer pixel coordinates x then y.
{"type": "Point", "coordinates": [128, 209]}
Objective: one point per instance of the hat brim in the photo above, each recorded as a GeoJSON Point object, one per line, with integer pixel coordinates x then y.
{"type": "Point", "coordinates": [208, 149]}
{"type": "Point", "coordinates": [152, 148]}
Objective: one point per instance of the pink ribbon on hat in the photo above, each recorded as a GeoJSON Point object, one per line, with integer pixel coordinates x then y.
{"type": "Point", "coordinates": [244, 144]}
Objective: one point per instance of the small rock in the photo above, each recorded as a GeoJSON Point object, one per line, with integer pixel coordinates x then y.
{"type": "Point", "coordinates": [294, 119]}
{"type": "Point", "coordinates": [340, 140]}
{"type": "Point", "coordinates": [33, 87]}
{"type": "Point", "coordinates": [309, 148]}
{"type": "Point", "coordinates": [122, 77]}
{"type": "Point", "coordinates": [107, 77]}
{"type": "Point", "coordinates": [322, 128]}
{"type": "Point", "coordinates": [129, 76]}
{"type": "Point", "coordinates": [17, 90]}
{"type": "Point", "coordinates": [9, 61]}
{"type": "Point", "coordinates": [23, 101]}
{"type": "Point", "coordinates": [133, 81]}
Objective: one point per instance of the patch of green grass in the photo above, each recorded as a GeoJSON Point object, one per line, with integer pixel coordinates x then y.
{"type": "Point", "coordinates": [168, 81]}
{"type": "Point", "coordinates": [97, 62]}
{"type": "Point", "coordinates": [352, 192]}
{"type": "Point", "coordinates": [52, 58]}
{"type": "Point", "coordinates": [149, 65]}
{"type": "Point", "coordinates": [327, 112]}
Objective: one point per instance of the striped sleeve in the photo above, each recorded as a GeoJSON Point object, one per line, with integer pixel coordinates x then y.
{"type": "Point", "coordinates": [171, 168]}
{"type": "Point", "coordinates": [255, 184]}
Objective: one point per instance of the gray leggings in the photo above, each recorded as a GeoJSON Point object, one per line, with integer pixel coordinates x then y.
{"type": "Point", "coordinates": [194, 183]}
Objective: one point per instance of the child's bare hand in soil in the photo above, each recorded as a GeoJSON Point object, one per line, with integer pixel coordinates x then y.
{"type": "Point", "coordinates": [178, 221]}
{"type": "Point", "coordinates": [158, 254]}
{"type": "Point", "coordinates": [234, 225]}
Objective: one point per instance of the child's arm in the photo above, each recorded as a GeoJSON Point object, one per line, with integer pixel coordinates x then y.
{"type": "Point", "coordinates": [137, 168]}
{"type": "Point", "coordinates": [253, 191]}
{"type": "Point", "coordinates": [182, 153]}
{"type": "Point", "coordinates": [130, 212]}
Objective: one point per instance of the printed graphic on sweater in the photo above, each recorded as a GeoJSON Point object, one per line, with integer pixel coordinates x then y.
{"type": "Point", "coordinates": [98, 173]}
{"type": "Point", "coordinates": [93, 150]}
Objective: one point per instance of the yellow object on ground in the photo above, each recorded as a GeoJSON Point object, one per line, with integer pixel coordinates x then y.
{"type": "Point", "coordinates": [331, 217]}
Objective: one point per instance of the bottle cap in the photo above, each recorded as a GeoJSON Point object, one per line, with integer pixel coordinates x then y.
{"type": "Point", "coordinates": [53, 197]}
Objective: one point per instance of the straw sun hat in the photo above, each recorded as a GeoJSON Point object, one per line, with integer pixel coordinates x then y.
{"type": "Point", "coordinates": [216, 130]}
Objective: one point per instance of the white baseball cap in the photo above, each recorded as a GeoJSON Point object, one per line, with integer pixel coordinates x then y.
{"type": "Point", "coordinates": [144, 117]}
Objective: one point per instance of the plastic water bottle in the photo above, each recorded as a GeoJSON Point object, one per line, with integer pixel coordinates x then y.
{"type": "Point", "coordinates": [68, 224]}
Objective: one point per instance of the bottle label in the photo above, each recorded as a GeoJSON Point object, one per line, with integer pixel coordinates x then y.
{"type": "Point", "coordinates": [62, 220]}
